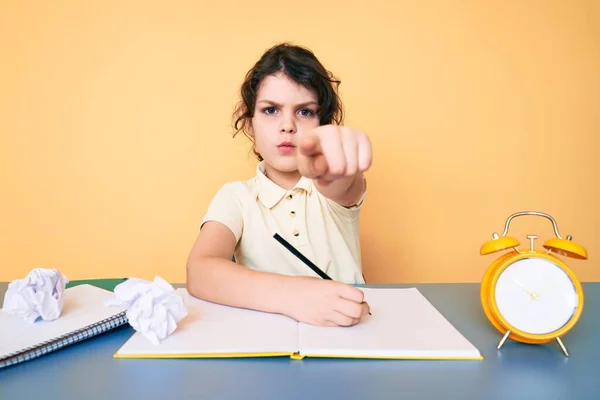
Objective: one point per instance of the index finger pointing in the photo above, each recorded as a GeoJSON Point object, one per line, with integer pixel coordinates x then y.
{"type": "Point", "coordinates": [309, 144]}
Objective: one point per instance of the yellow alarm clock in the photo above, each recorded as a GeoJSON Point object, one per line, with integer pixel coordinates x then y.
{"type": "Point", "coordinates": [531, 295]}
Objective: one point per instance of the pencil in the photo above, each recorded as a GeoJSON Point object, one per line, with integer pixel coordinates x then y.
{"type": "Point", "coordinates": [302, 258]}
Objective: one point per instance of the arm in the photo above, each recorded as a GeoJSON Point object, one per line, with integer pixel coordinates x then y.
{"type": "Point", "coordinates": [346, 191]}
{"type": "Point", "coordinates": [212, 276]}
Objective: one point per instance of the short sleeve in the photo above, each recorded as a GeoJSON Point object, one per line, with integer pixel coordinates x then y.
{"type": "Point", "coordinates": [226, 208]}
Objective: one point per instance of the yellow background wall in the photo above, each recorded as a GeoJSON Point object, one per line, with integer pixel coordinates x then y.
{"type": "Point", "coordinates": [115, 126]}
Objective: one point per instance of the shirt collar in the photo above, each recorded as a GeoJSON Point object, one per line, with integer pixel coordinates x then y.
{"type": "Point", "coordinates": [269, 193]}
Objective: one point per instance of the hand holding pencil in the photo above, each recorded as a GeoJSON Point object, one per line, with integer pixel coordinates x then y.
{"type": "Point", "coordinates": [324, 302]}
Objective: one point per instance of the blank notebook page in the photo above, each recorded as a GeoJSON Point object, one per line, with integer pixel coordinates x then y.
{"type": "Point", "coordinates": [403, 325]}
{"type": "Point", "coordinates": [215, 329]}
{"type": "Point", "coordinates": [83, 306]}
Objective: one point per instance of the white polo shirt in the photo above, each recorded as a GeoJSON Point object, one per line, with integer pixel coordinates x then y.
{"type": "Point", "coordinates": [321, 229]}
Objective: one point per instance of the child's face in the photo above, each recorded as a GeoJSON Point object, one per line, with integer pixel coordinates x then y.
{"type": "Point", "coordinates": [283, 109]}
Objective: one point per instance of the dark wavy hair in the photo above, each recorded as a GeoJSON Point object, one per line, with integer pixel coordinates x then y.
{"type": "Point", "coordinates": [301, 66]}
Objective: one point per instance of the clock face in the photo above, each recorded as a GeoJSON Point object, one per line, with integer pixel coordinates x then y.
{"type": "Point", "coordinates": [536, 296]}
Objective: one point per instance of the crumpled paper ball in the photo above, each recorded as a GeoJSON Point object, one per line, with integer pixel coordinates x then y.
{"type": "Point", "coordinates": [153, 308]}
{"type": "Point", "coordinates": [40, 294]}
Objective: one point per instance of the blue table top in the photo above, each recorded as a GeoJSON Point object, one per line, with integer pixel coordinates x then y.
{"type": "Point", "coordinates": [517, 371]}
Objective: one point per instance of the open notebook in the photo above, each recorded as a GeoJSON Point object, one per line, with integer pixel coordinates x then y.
{"type": "Point", "coordinates": [83, 315]}
{"type": "Point", "coordinates": [404, 325]}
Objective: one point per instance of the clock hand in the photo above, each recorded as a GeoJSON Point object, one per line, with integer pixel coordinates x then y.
{"type": "Point", "coordinates": [536, 296]}
{"type": "Point", "coordinates": [531, 295]}
{"type": "Point", "coordinates": [544, 290]}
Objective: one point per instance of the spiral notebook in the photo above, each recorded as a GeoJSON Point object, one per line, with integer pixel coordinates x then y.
{"type": "Point", "coordinates": [83, 316]}
{"type": "Point", "coordinates": [403, 325]}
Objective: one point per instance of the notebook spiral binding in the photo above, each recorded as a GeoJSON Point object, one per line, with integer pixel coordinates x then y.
{"type": "Point", "coordinates": [64, 340]}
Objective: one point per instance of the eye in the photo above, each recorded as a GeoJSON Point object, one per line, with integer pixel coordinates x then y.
{"type": "Point", "coordinates": [305, 112]}
{"type": "Point", "coordinates": [269, 110]}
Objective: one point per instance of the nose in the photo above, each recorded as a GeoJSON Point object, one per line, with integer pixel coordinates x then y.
{"type": "Point", "coordinates": [288, 124]}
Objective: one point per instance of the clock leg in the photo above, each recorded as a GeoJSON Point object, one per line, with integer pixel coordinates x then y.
{"type": "Point", "coordinates": [503, 339]}
{"type": "Point", "coordinates": [562, 346]}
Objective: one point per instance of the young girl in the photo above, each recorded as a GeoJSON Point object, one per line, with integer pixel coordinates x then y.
{"type": "Point", "coordinates": [309, 188]}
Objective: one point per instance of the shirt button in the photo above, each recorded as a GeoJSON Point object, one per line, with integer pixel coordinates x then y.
{"type": "Point", "coordinates": [296, 233]}
{"type": "Point", "coordinates": [289, 197]}
{"type": "Point", "coordinates": [292, 214]}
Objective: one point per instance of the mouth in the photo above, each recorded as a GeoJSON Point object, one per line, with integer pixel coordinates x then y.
{"type": "Point", "coordinates": [286, 148]}
{"type": "Point", "coordinates": [286, 145]}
